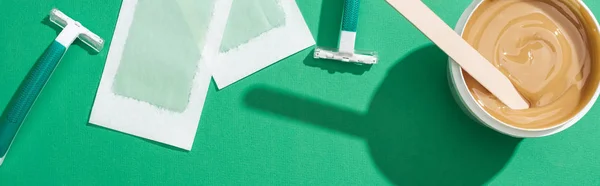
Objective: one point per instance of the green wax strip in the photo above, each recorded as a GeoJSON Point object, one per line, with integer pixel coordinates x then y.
{"type": "Point", "coordinates": [249, 19]}
{"type": "Point", "coordinates": [160, 57]}
{"type": "Point", "coordinates": [198, 15]}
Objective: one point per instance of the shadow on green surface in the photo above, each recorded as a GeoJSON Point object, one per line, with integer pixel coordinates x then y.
{"type": "Point", "coordinates": [416, 132]}
{"type": "Point", "coordinates": [330, 23]}
{"type": "Point", "coordinates": [328, 36]}
{"type": "Point", "coordinates": [46, 21]}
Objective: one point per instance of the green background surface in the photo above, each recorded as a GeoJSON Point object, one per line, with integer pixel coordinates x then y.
{"type": "Point", "coordinates": [298, 122]}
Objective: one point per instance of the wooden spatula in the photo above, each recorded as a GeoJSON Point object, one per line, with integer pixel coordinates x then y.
{"type": "Point", "coordinates": [458, 49]}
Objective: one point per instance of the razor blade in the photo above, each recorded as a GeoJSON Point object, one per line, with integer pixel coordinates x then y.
{"type": "Point", "coordinates": [360, 57]}
{"type": "Point", "coordinates": [85, 35]}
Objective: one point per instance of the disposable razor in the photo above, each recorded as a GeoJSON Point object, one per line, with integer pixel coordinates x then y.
{"type": "Point", "coordinates": [15, 112]}
{"type": "Point", "coordinates": [346, 49]}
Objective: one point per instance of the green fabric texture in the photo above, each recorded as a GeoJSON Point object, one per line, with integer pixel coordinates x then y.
{"type": "Point", "coordinates": [299, 122]}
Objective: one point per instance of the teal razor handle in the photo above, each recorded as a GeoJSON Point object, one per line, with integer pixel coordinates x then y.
{"type": "Point", "coordinates": [349, 26]}
{"type": "Point", "coordinates": [19, 106]}
{"type": "Point", "coordinates": [346, 47]}
{"type": "Point", "coordinates": [21, 102]}
{"type": "Point", "coordinates": [350, 15]}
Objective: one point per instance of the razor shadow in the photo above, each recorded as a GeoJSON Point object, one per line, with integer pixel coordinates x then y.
{"type": "Point", "coordinates": [415, 131]}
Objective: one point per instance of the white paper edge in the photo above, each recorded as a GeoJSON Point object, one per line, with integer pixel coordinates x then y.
{"type": "Point", "coordinates": [267, 49]}
{"type": "Point", "coordinates": [142, 119]}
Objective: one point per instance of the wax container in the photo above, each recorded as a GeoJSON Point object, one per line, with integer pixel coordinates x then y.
{"type": "Point", "coordinates": [469, 105]}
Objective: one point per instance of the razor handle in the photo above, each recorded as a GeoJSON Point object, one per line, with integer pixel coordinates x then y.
{"type": "Point", "coordinates": [15, 112]}
{"type": "Point", "coordinates": [350, 15]}
{"type": "Point", "coordinates": [349, 27]}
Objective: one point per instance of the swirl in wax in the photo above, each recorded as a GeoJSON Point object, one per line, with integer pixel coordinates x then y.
{"type": "Point", "coordinates": [543, 47]}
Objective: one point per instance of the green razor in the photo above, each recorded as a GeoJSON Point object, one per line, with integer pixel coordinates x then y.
{"type": "Point", "coordinates": [22, 101]}
{"type": "Point", "coordinates": [346, 51]}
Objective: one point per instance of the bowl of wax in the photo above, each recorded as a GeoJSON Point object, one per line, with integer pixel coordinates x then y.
{"type": "Point", "coordinates": [549, 49]}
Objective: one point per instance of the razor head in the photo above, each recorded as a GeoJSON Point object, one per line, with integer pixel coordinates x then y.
{"type": "Point", "coordinates": [85, 35]}
{"type": "Point", "coordinates": [359, 57]}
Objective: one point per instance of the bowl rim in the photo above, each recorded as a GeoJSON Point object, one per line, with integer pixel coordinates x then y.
{"type": "Point", "coordinates": [483, 116]}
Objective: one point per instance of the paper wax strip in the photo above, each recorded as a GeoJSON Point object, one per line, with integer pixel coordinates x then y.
{"type": "Point", "coordinates": [259, 33]}
{"type": "Point", "coordinates": [155, 80]}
